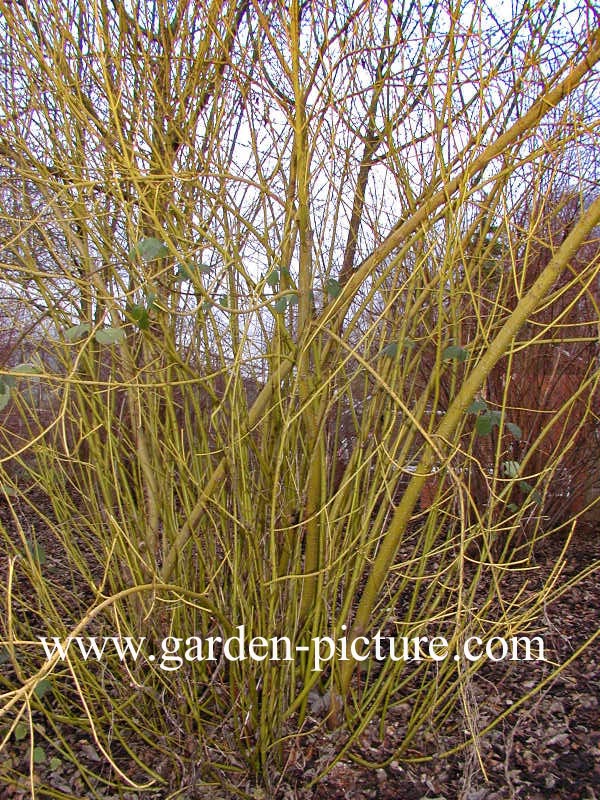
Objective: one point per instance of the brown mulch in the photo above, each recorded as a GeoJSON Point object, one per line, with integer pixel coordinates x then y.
{"type": "Point", "coordinates": [548, 748]}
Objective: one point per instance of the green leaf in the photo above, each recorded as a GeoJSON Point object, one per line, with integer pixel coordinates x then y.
{"type": "Point", "coordinates": [42, 688]}
{"type": "Point", "coordinates": [110, 335]}
{"type": "Point", "coordinates": [185, 271]}
{"type": "Point", "coordinates": [510, 468]}
{"type": "Point", "coordinates": [39, 755]}
{"type": "Point", "coordinates": [139, 314]}
{"type": "Point", "coordinates": [21, 730]}
{"type": "Point", "coordinates": [55, 763]}
{"type": "Point", "coordinates": [292, 299]}
{"type": "Point", "coordinates": [4, 394]}
{"type": "Point", "coordinates": [392, 349]}
{"type": "Point", "coordinates": [477, 406]}
{"type": "Point", "coordinates": [485, 422]}
{"type": "Point", "coordinates": [26, 369]}
{"type": "Point", "coordinates": [495, 416]}
{"type": "Point", "coordinates": [454, 352]}
{"type": "Point", "coordinates": [37, 552]}
{"type": "Point", "coordinates": [484, 425]}
{"type": "Point", "coordinates": [515, 430]}
{"type": "Point", "coordinates": [150, 300]}
{"type": "Point", "coordinates": [76, 332]}
{"type": "Point", "coordinates": [333, 288]}
{"type": "Point", "coordinates": [8, 490]}
{"type": "Point", "coordinates": [149, 249]}
{"type": "Point", "coordinates": [513, 507]}
{"type": "Point", "coordinates": [280, 305]}
{"type": "Point", "coordinates": [224, 301]}
{"type": "Point", "coordinates": [273, 278]}
{"type": "Point", "coordinates": [528, 489]}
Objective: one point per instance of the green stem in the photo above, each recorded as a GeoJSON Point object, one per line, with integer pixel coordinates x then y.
{"type": "Point", "coordinates": [497, 349]}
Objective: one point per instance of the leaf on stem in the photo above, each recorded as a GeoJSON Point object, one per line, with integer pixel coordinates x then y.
{"type": "Point", "coordinates": [333, 288]}
{"type": "Point", "coordinates": [455, 353]}
{"type": "Point", "coordinates": [110, 335]}
{"type": "Point", "coordinates": [76, 332]}
{"type": "Point", "coordinates": [149, 249]}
